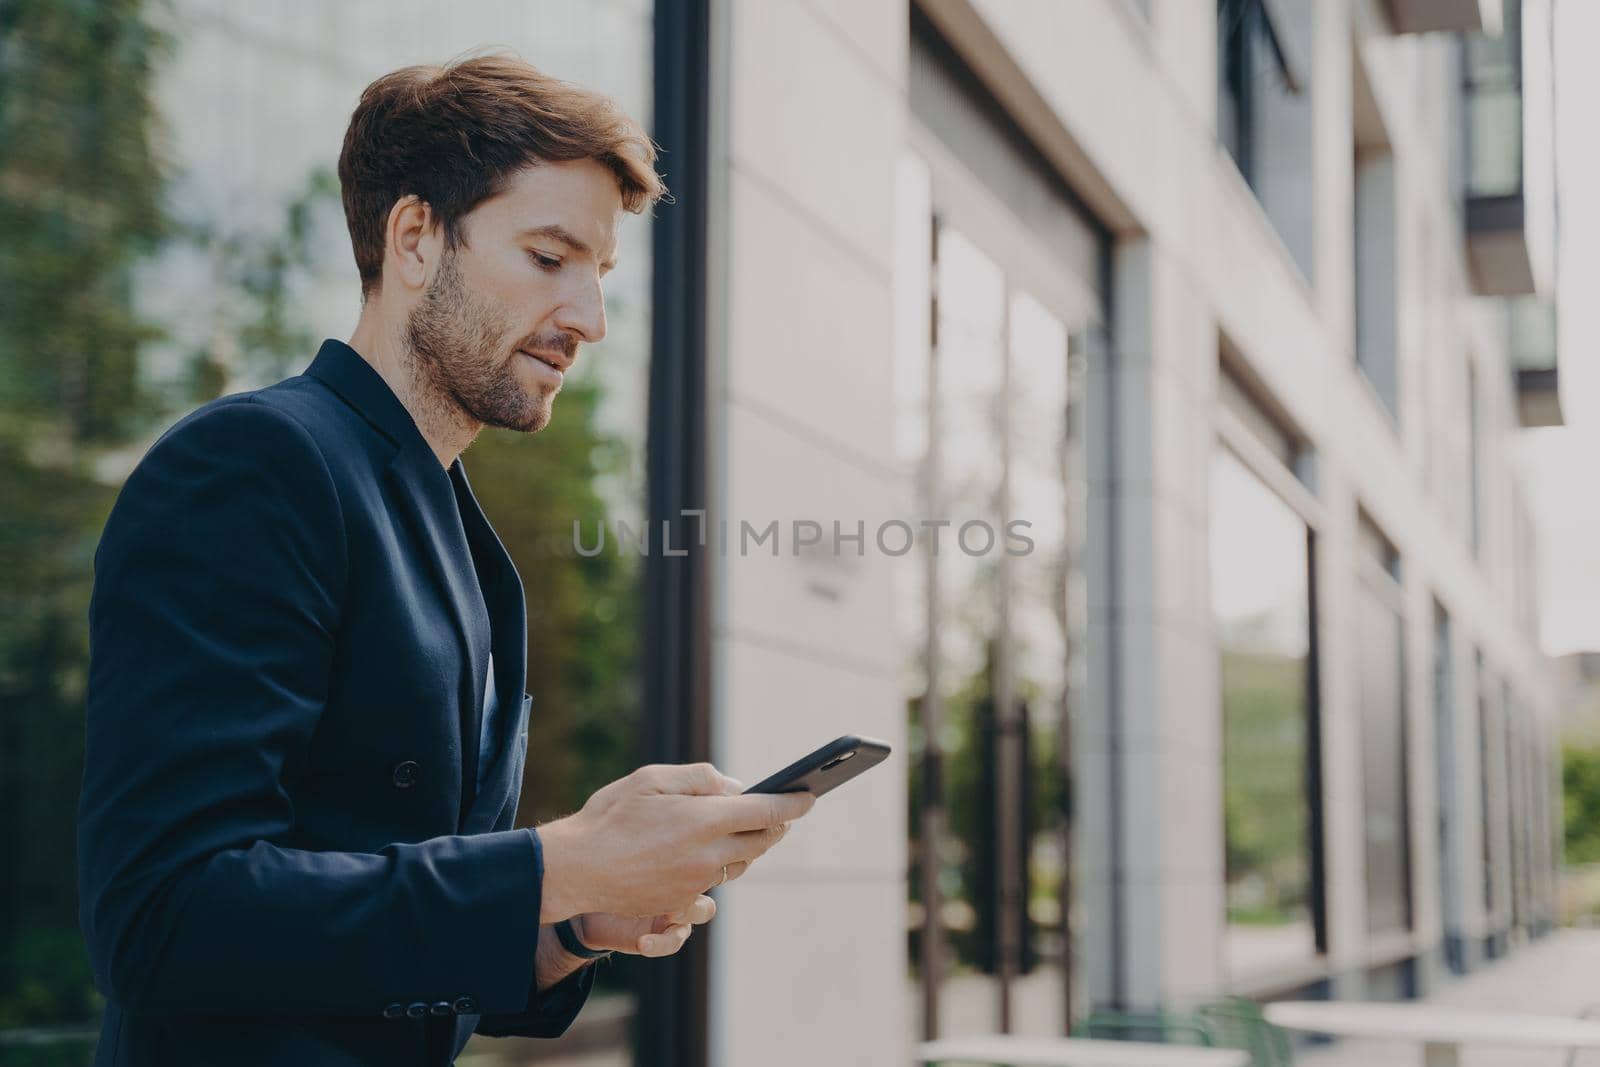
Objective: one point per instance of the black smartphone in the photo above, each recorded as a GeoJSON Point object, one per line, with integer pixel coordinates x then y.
{"type": "Point", "coordinates": [829, 767]}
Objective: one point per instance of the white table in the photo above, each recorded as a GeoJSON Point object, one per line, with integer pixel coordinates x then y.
{"type": "Point", "coordinates": [1011, 1051]}
{"type": "Point", "coordinates": [1440, 1030]}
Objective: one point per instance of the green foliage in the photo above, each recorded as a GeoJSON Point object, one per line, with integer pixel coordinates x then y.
{"type": "Point", "coordinates": [1580, 790]}
{"type": "Point", "coordinates": [1264, 790]}
{"type": "Point", "coordinates": [258, 332]}
{"type": "Point", "coordinates": [962, 854]}
{"type": "Point", "coordinates": [80, 205]}
{"type": "Point", "coordinates": [75, 1050]}
{"type": "Point", "coordinates": [46, 544]}
{"type": "Point", "coordinates": [583, 611]}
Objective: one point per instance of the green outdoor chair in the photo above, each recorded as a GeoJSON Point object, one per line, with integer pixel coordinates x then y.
{"type": "Point", "coordinates": [1236, 1022]}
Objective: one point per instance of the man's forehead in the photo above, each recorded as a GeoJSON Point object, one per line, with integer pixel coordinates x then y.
{"type": "Point", "coordinates": [577, 202]}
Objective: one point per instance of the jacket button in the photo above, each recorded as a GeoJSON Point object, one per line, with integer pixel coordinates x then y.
{"type": "Point", "coordinates": [441, 1007]}
{"type": "Point", "coordinates": [417, 1010]}
{"type": "Point", "coordinates": [465, 1006]}
{"type": "Point", "coordinates": [394, 1011]}
{"type": "Point", "coordinates": [405, 774]}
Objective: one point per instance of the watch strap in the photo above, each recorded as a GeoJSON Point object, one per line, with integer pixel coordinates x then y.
{"type": "Point", "coordinates": [570, 941]}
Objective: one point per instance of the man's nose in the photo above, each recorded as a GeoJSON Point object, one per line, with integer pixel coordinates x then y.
{"type": "Point", "coordinates": [585, 313]}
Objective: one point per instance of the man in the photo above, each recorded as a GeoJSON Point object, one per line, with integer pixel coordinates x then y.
{"type": "Point", "coordinates": [306, 716]}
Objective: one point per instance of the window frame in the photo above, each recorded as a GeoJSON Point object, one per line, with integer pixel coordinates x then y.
{"type": "Point", "coordinates": [1243, 440]}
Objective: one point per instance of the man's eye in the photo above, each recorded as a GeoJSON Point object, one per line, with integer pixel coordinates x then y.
{"type": "Point", "coordinates": [545, 262]}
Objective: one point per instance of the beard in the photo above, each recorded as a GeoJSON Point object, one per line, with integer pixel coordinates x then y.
{"type": "Point", "coordinates": [463, 358]}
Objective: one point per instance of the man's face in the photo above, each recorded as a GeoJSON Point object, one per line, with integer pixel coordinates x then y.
{"type": "Point", "coordinates": [520, 294]}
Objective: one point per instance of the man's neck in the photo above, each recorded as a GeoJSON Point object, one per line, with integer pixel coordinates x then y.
{"type": "Point", "coordinates": [444, 426]}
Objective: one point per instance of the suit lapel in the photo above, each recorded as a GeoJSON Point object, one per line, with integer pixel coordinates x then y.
{"type": "Point", "coordinates": [423, 493]}
{"type": "Point", "coordinates": [429, 506]}
{"type": "Point", "coordinates": [508, 611]}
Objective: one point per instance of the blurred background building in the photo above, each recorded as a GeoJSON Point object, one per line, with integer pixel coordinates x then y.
{"type": "Point", "coordinates": [1237, 304]}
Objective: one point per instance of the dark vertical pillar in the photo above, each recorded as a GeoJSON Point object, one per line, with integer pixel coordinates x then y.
{"type": "Point", "coordinates": [1315, 843]}
{"type": "Point", "coordinates": [672, 1024]}
{"type": "Point", "coordinates": [932, 817]}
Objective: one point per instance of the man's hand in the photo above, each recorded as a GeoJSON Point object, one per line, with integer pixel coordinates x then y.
{"type": "Point", "coordinates": [659, 935]}
{"type": "Point", "coordinates": [650, 844]}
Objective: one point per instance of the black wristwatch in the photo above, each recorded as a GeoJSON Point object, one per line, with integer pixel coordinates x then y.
{"type": "Point", "coordinates": [569, 941]}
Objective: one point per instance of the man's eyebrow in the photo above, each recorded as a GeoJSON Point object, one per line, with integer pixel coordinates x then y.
{"type": "Point", "coordinates": [557, 232]}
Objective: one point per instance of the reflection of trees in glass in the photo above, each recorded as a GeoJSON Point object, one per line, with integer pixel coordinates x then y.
{"type": "Point", "coordinates": [583, 612]}
{"type": "Point", "coordinates": [1580, 785]}
{"type": "Point", "coordinates": [915, 754]}
{"type": "Point", "coordinates": [961, 876]}
{"type": "Point", "coordinates": [967, 852]}
{"type": "Point", "coordinates": [1260, 573]}
{"type": "Point", "coordinates": [80, 203]}
{"type": "Point", "coordinates": [1264, 795]}
{"type": "Point", "coordinates": [1048, 786]}
{"type": "Point", "coordinates": [257, 332]}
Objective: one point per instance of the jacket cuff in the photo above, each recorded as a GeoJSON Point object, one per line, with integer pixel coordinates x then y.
{"type": "Point", "coordinates": [551, 1011]}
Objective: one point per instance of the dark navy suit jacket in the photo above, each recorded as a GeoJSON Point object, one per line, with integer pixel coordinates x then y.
{"type": "Point", "coordinates": [283, 858]}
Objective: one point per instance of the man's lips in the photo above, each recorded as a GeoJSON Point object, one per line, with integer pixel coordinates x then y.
{"type": "Point", "coordinates": [550, 359]}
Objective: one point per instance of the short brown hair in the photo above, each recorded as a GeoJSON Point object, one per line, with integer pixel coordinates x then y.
{"type": "Point", "coordinates": [453, 134]}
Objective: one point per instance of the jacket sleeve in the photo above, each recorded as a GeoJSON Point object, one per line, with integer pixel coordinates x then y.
{"type": "Point", "coordinates": [219, 584]}
{"type": "Point", "coordinates": [548, 1013]}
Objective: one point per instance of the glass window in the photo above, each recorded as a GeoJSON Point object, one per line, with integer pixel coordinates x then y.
{"type": "Point", "coordinates": [998, 614]}
{"type": "Point", "coordinates": [1260, 583]}
{"type": "Point", "coordinates": [1487, 790]}
{"type": "Point", "coordinates": [984, 430]}
{"type": "Point", "coordinates": [1264, 111]}
{"type": "Point", "coordinates": [1250, 61]}
{"type": "Point", "coordinates": [1375, 260]}
{"type": "Point", "coordinates": [1492, 94]}
{"type": "Point", "coordinates": [1473, 498]}
{"type": "Point", "coordinates": [1383, 738]}
{"type": "Point", "coordinates": [1238, 398]}
{"type": "Point", "coordinates": [1518, 811]}
{"type": "Point", "coordinates": [1045, 611]}
{"type": "Point", "coordinates": [1444, 744]}
{"type": "Point", "coordinates": [969, 357]}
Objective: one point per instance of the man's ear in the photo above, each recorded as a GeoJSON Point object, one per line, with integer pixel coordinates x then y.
{"type": "Point", "coordinates": [411, 242]}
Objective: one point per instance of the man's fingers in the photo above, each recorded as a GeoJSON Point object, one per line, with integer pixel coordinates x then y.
{"type": "Point", "coordinates": [696, 779]}
{"type": "Point", "coordinates": [666, 942]}
{"type": "Point", "coordinates": [750, 845]}
{"type": "Point", "coordinates": [760, 811]}
{"type": "Point", "coordinates": [699, 912]}
{"type": "Point", "coordinates": [736, 864]}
